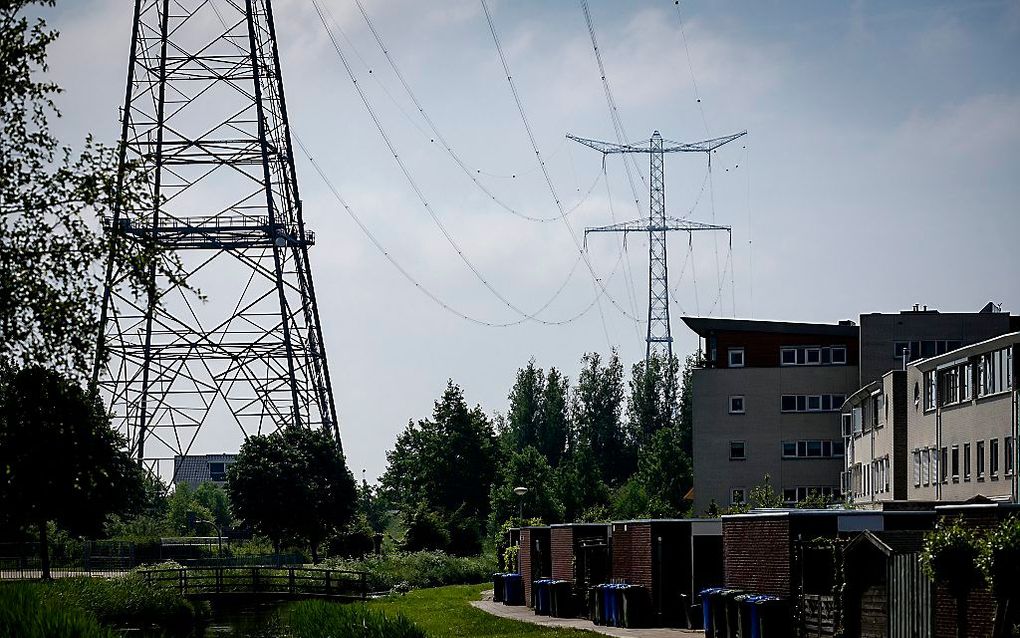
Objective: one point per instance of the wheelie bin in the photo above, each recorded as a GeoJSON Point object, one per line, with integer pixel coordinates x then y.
{"type": "Point", "coordinates": [498, 588]}
{"type": "Point", "coordinates": [513, 590]}
{"type": "Point", "coordinates": [635, 608]}
{"type": "Point", "coordinates": [773, 617]}
{"type": "Point", "coordinates": [706, 611]}
{"type": "Point", "coordinates": [744, 604]}
{"type": "Point", "coordinates": [540, 588]}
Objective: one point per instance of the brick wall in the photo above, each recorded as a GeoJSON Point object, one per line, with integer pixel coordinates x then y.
{"type": "Point", "coordinates": [757, 554]}
{"type": "Point", "coordinates": [632, 553]}
{"type": "Point", "coordinates": [562, 545]}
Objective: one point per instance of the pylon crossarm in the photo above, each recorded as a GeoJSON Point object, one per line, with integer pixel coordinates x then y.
{"type": "Point", "coordinates": [644, 226]}
{"type": "Point", "coordinates": [611, 147]}
{"type": "Point", "coordinates": [705, 146]}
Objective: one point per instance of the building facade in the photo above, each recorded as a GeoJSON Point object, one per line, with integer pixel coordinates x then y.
{"type": "Point", "coordinates": [962, 423]}
{"type": "Point", "coordinates": [195, 469]}
{"type": "Point", "coordinates": [767, 399]}
{"type": "Point", "coordinates": [875, 430]}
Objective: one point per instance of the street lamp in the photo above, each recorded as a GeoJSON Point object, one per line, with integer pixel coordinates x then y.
{"type": "Point", "coordinates": [193, 519]}
{"type": "Point", "coordinates": [520, 492]}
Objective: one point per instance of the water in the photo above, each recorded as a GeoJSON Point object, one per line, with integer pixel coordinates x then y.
{"type": "Point", "coordinates": [228, 620]}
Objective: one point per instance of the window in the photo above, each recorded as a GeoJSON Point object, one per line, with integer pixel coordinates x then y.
{"type": "Point", "coordinates": [737, 451]}
{"type": "Point", "coordinates": [737, 496]}
{"type": "Point", "coordinates": [929, 390]}
{"type": "Point", "coordinates": [966, 382]}
{"type": "Point", "coordinates": [217, 472]}
{"type": "Point", "coordinates": [736, 359]}
{"type": "Point", "coordinates": [926, 466]}
{"type": "Point", "coordinates": [993, 458]}
{"type": "Point", "coordinates": [812, 355]}
{"type": "Point", "coordinates": [956, 464]}
{"type": "Point", "coordinates": [1010, 455]}
{"type": "Point", "coordinates": [981, 460]}
{"type": "Point", "coordinates": [812, 402]}
{"type": "Point", "coordinates": [917, 468]}
{"type": "Point", "coordinates": [789, 495]}
{"type": "Point", "coordinates": [737, 405]}
{"type": "Point", "coordinates": [816, 449]}
{"type": "Point", "coordinates": [788, 356]}
{"type": "Point", "coordinates": [995, 372]}
{"type": "Point", "coordinates": [966, 461]}
{"type": "Point", "coordinates": [838, 355]}
{"type": "Point", "coordinates": [944, 465]}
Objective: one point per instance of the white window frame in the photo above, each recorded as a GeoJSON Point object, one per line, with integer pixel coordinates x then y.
{"type": "Point", "coordinates": [832, 355]}
{"type": "Point", "coordinates": [729, 357]}
{"type": "Point", "coordinates": [743, 404]}
{"type": "Point", "coordinates": [743, 449]}
{"type": "Point", "coordinates": [785, 351]}
{"type": "Point", "coordinates": [807, 356]}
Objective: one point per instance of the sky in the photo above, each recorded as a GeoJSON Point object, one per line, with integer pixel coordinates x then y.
{"type": "Point", "coordinates": [881, 169]}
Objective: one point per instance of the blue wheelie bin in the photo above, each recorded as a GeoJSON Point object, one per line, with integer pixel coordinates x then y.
{"type": "Point", "coordinates": [706, 610]}
{"type": "Point", "coordinates": [773, 618]}
{"type": "Point", "coordinates": [513, 590]}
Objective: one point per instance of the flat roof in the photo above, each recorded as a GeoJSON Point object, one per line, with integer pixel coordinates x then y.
{"type": "Point", "coordinates": [704, 325]}
{"type": "Point", "coordinates": [1010, 338]}
{"type": "Point", "coordinates": [664, 520]}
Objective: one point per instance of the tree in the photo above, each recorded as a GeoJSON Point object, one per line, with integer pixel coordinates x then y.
{"type": "Point", "coordinates": [51, 248]}
{"type": "Point", "coordinates": [524, 418]}
{"type": "Point", "coordinates": [60, 459]}
{"type": "Point", "coordinates": [579, 484]}
{"type": "Point", "coordinates": [554, 427]}
{"type": "Point", "coordinates": [447, 463]}
{"type": "Point", "coordinates": [527, 468]}
{"type": "Point", "coordinates": [294, 482]}
{"type": "Point", "coordinates": [208, 502]}
{"type": "Point", "coordinates": [654, 390]}
{"type": "Point", "coordinates": [596, 410]}
{"type": "Point", "coordinates": [665, 473]}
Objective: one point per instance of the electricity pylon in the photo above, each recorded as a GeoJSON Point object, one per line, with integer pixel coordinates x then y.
{"type": "Point", "coordinates": [205, 119]}
{"type": "Point", "coordinates": [659, 340]}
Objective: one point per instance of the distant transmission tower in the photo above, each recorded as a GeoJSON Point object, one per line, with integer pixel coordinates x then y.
{"type": "Point", "coordinates": [659, 340]}
{"type": "Point", "coordinates": [205, 118]}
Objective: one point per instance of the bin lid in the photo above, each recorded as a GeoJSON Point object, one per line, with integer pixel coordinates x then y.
{"type": "Point", "coordinates": [765, 599]}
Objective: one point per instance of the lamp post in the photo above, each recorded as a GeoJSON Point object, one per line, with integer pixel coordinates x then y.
{"type": "Point", "coordinates": [193, 519]}
{"type": "Point", "coordinates": [520, 492]}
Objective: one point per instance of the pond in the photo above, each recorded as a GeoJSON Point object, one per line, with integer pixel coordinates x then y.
{"type": "Point", "coordinates": [227, 620]}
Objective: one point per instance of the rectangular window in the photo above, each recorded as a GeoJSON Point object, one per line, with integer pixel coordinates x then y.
{"type": "Point", "coordinates": [956, 463]}
{"type": "Point", "coordinates": [944, 465]}
{"type": "Point", "coordinates": [789, 403]}
{"type": "Point", "coordinates": [737, 451]}
{"type": "Point", "coordinates": [900, 348]}
{"type": "Point", "coordinates": [826, 402]}
{"type": "Point", "coordinates": [737, 496]}
{"type": "Point", "coordinates": [993, 458]}
{"type": "Point", "coordinates": [1010, 455]}
{"type": "Point", "coordinates": [925, 466]}
{"type": "Point", "coordinates": [930, 383]}
{"type": "Point", "coordinates": [814, 448]}
{"type": "Point", "coordinates": [813, 356]}
{"type": "Point", "coordinates": [801, 403]}
{"type": "Point", "coordinates": [981, 460]}
{"type": "Point", "coordinates": [827, 449]}
{"type": "Point", "coordinates": [789, 449]}
{"type": "Point", "coordinates": [217, 472]}
{"type": "Point", "coordinates": [928, 349]}
{"type": "Point", "coordinates": [789, 495]}
{"type": "Point", "coordinates": [966, 382]}
{"type": "Point", "coordinates": [814, 403]}
{"type": "Point", "coordinates": [966, 461]}
{"type": "Point", "coordinates": [917, 468]}
{"type": "Point", "coordinates": [801, 448]}
{"type": "Point", "coordinates": [788, 356]}
{"type": "Point", "coordinates": [736, 357]}
{"type": "Point", "coordinates": [737, 405]}
{"type": "Point", "coordinates": [839, 355]}
{"type": "Point", "coordinates": [838, 448]}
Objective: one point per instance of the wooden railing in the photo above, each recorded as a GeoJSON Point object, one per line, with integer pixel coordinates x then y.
{"type": "Point", "coordinates": [201, 582]}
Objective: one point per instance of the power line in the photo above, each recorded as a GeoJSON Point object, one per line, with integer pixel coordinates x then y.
{"type": "Point", "coordinates": [690, 66]}
{"type": "Point", "coordinates": [413, 183]}
{"type": "Point", "coordinates": [438, 135]}
{"type": "Point", "coordinates": [545, 170]}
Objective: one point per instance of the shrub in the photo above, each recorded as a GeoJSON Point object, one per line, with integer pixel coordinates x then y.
{"type": "Point", "coordinates": [24, 614]}
{"type": "Point", "coordinates": [425, 531]}
{"type": "Point", "coordinates": [318, 619]}
{"type": "Point", "coordinates": [418, 569]}
{"type": "Point", "coordinates": [950, 556]}
{"type": "Point", "coordinates": [1000, 555]}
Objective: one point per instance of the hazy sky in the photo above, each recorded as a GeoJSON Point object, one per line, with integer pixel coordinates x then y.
{"type": "Point", "coordinates": [881, 169]}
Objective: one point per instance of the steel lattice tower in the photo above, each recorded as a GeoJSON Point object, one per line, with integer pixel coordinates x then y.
{"type": "Point", "coordinates": [659, 340]}
{"type": "Point", "coordinates": [205, 118]}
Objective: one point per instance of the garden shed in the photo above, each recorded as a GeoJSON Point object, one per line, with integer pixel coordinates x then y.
{"type": "Point", "coordinates": [886, 593]}
{"type": "Point", "coordinates": [673, 559]}
{"type": "Point", "coordinates": [580, 554]}
{"type": "Point", "coordinates": [535, 557]}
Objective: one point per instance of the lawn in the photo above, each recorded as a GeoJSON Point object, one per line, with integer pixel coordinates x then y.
{"type": "Point", "coordinates": [446, 611]}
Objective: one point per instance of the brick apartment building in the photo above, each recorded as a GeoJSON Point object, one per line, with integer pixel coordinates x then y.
{"type": "Point", "coordinates": [767, 400]}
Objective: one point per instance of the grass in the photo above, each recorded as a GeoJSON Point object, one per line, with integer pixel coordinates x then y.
{"type": "Point", "coordinates": [318, 619]}
{"type": "Point", "coordinates": [447, 612]}
{"type": "Point", "coordinates": [26, 614]}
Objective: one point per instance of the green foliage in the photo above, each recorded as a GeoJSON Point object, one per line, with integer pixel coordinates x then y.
{"type": "Point", "coordinates": [24, 615]}
{"type": "Point", "coordinates": [652, 405]}
{"type": "Point", "coordinates": [950, 556]}
{"type": "Point", "coordinates": [763, 495]}
{"type": "Point", "coordinates": [596, 411]}
{"type": "Point", "coordinates": [418, 569]}
{"type": "Point", "coordinates": [665, 472]}
{"type": "Point", "coordinates": [538, 414]}
{"type": "Point", "coordinates": [999, 558]}
{"type": "Point", "coordinates": [425, 531]}
{"type": "Point", "coordinates": [579, 484]}
{"type": "Point", "coordinates": [630, 501]}
{"type": "Point", "coordinates": [318, 619]}
{"type": "Point", "coordinates": [292, 483]}
{"type": "Point", "coordinates": [51, 248]}
{"type": "Point", "coordinates": [447, 463]}
{"type": "Point", "coordinates": [814, 501]}
{"type": "Point", "coordinates": [62, 460]}
{"type": "Point", "coordinates": [527, 468]}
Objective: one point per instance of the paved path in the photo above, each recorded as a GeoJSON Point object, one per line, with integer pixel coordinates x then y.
{"type": "Point", "coordinates": [524, 614]}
